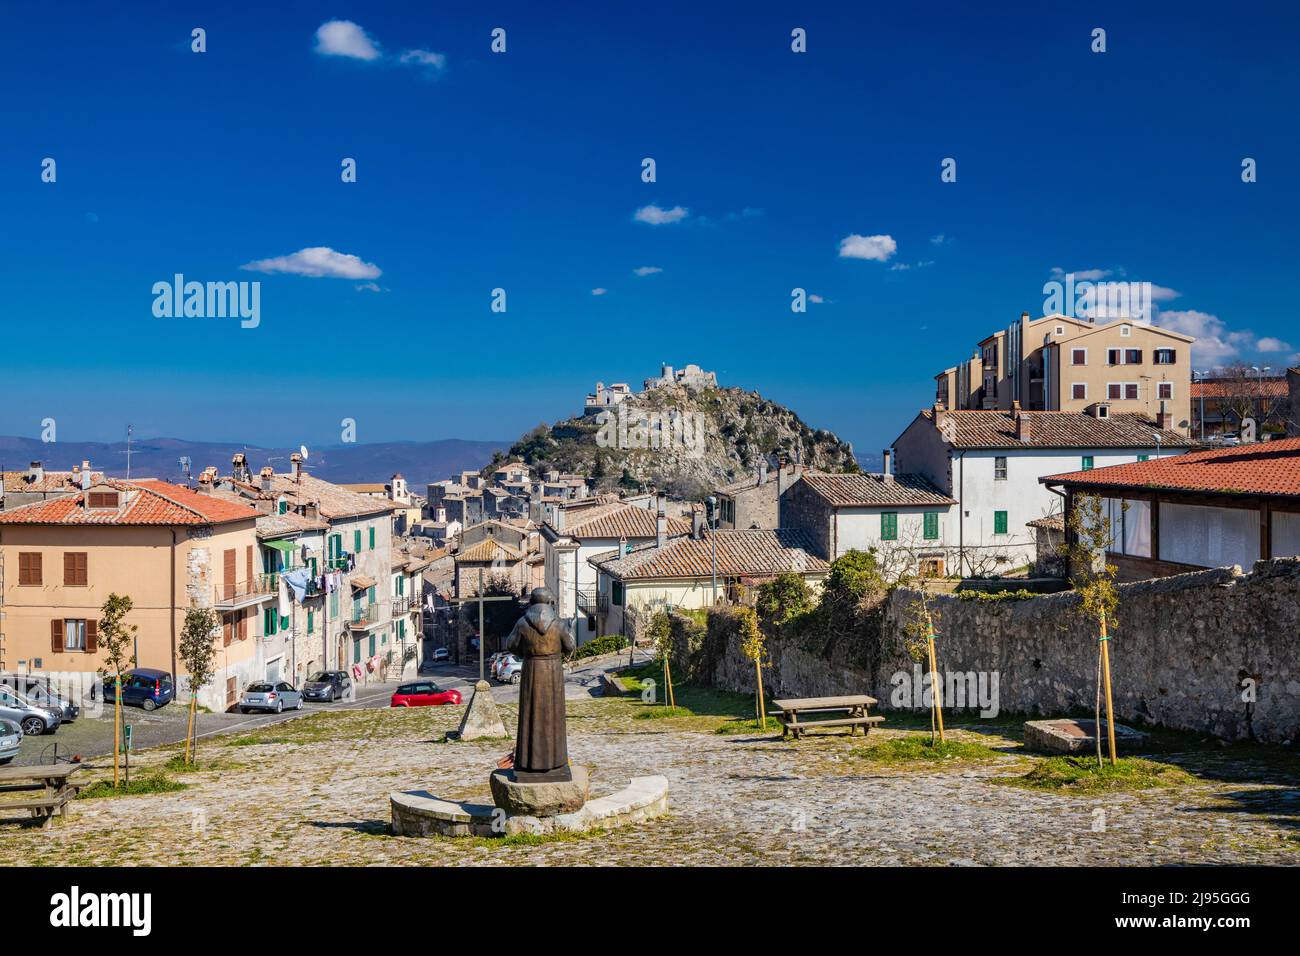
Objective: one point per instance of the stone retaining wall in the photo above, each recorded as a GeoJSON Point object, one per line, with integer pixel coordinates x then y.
{"type": "Point", "coordinates": [1187, 652]}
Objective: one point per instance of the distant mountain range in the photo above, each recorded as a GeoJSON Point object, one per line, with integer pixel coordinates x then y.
{"type": "Point", "coordinates": [417, 461]}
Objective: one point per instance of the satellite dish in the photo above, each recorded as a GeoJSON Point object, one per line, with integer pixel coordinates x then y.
{"type": "Point", "coordinates": [302, 449]}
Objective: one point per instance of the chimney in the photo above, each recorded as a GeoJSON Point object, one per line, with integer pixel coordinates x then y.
{"type": "Point", "coordinates": [762, 472]}
{"type": "Point", "coordinates": [661, 523]}
{"type": "Point", "coordinates": [85, 475]}
{"type": "Point", "coordinates": [1022, 427]}
{"type": "Point", "coordinates": [35, 472]}
{"type": "Point", "coordinates": [239, 467]}
{"type": "Point", "coordinates": [940, 416]}
{"type": "Point", "coordinates": [1015, 407]}
{"type": "Point", "coordinates": [205, 480]}
{"type": "Point", "coordinates": [311, 511]}
{"type": "Point", "coordinates": [296, 461]}
{"type": "Point", "coordinates": [265, 475]}
{"type": "Point", "coordinates": [1164, 419]}
{"type": "Point", "coordinates": [697, 523]}
{"type": "Point", "coordinates": [888, 458]}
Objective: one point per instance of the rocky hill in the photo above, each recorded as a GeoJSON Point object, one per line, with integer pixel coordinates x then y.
{"type": "Point", "coordinates": [682, 440]}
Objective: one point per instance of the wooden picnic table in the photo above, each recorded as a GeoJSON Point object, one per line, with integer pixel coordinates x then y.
{"type": "Point", "coordinates": [50, 781]}
{"type": "Point", "coordinates": [853, 706]}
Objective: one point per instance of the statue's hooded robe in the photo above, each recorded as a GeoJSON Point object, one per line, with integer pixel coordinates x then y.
{"type": "Point", "coordinates": [540, 640]}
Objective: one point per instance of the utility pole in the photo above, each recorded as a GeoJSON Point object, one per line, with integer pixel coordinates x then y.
{"type": "Point", "coordinates": [481, 599]}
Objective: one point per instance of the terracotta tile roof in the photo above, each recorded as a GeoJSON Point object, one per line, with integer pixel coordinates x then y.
{"type": "Point", "coordinates": [487, 551]}
{"type": "Point", "coordinates": [371, 488]}
{"type": "Point", "coordinates": [333, 501]}
{"type": "Point", "coordinates": [148, 502]}
{"type": "Point", "coordinates": [1272, 387]}
{"type": "Point", "coordinates": [51, 481]}
{"type": "Point", "coordinates": [624, 521]}
{"type": "Point", "coordinates": [997, 429]}
{"type": "Point", "coordinates": [1266, 468]}
{"type": "Point", "coordinates": [1050, 522]}
{"type": "Point", "coordinates": [863, 490]}
{"type": "Point", "coordinates": [276, 525]}
{"type": "Point", "coordinates": [740, 553]}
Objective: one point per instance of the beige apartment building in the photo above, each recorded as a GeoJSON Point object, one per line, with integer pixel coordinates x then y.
{"type": "Point", "coordinates": [1058, 363]}
{"type": "Point", "coordinates": [166, 547]}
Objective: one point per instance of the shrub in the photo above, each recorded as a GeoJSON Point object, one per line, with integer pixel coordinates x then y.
{"type": "Point", "coordinates": [605, 644]}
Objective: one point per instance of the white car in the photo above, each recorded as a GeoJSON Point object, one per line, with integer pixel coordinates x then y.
{"type": "Point", "coordinates": [510, 670]}
{"type": "Point", "coordinates": [11, 738]}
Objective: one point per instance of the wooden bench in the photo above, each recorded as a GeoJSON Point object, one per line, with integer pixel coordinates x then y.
{"type": "Point", "coordinates": [51, 781]}
{"type": "Point", "coordinates": [853, 706]}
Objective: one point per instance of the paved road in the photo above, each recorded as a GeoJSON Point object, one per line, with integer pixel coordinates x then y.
{"type": "Point", "coordinates": [93, 736]}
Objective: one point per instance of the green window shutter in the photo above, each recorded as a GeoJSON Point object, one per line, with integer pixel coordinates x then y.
{"type": "Point", "coordinates": [356, 651]}
{"type": "Point", "coordinates": [931, 525]}
{"type": "Point", "coordinates": [1144, 457]}
{"type": "Point", "coordinates": [616, 597]}
{"type": "Point", "coordinates": [889, 526]}
{"type": "Point", "coordinates": [401, 630]}
{"type": "Point", "coordinates": [356, 540]}
{"type": "Point", "coordinates": [999, 522]}
{"type": "Point", "coordinates": [372, 644]}
{"type": "Point", "coordinates": [284, 506]}
{"type": "Point", "coordinates": [268, 622]}
{"type": "Point", "coordinates": [311, 623]}
{"type": "Point", "coordinates": [1087, 463]}
{"type": "Point", "coordinates": [372, 538]}
{"type": "Point", "coordinates": [334, 604]}
{"type": "Point", "coordinates": [401, 585]}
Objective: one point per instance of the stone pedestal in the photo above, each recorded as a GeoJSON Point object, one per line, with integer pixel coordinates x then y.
{"type": "Point", "coordinates": [481, 718]}
{"type": "Point", "coordinates": [539, 799]}
{"type": "Point", "coordinates": [1069, 736]}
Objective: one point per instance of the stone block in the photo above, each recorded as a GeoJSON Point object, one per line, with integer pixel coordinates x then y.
{"type": "Point", "coordinates": [542, 799]}
{"type": "Point", "coordinates": [481, 718]}
{"type": "Point", "coordinates": [1068, 736]}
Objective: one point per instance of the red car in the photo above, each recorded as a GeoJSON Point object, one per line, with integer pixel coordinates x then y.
{"type": "Point", "coordinates": [424, 693]}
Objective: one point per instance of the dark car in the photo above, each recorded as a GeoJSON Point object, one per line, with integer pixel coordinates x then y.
{"type": "Point", "coordinates": [40, 692]}
{"type": "Point", "coordinates": [327, 686]}
{"type": "Point", "coordinates": [145, 687]}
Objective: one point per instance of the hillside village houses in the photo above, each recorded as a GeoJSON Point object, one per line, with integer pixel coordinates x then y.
{"type": "Point", "coordinates": [1059, 363]}
{"type": "Point", "coordinates": [989, 462]}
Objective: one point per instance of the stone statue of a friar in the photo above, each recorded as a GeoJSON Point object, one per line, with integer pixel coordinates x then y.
{"type": "Point", "coordinates": [541, 640]}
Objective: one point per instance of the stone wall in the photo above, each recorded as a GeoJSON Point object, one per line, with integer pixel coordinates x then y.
{"type": "Point", "coordinates": [1184, 653]}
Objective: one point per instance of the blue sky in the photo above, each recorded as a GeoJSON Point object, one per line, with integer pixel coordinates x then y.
{"type": "Point", "coordinates": [522, 171]}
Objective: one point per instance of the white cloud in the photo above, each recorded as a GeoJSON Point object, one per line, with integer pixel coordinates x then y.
{"type": "Point", "coordinates": [1215, 344]}
{"type": "Point", "coordinates": [1080, 275]}
{"type": "Point", "coordinates": [599, 291]}
{"type": "Point", "coordinates": [370, 287]}
{"type": "Point", "coordinates": [317, 262]}
{"type": "Point", "coordinates": [345, 38]}
{"type": "Point", "coordinates": [941, 240]}
{"type": "Point", "coordinates": [1270, 344]}
{"type": "Point", "coordinates": [874, 248]}
{"type": "Point", "coordinates": [814, 297]}
{"type": "Point", "coordinates": [904, 266]}
{"type": "Point", "coordinates": [646, 270]}
{"type": "Point", "coordinates": [656, 216]}
{"type": "Point", "coordinates": [435, 61]}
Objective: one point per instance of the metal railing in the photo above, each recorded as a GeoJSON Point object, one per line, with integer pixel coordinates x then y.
{"type": "Point", "coordinates": [233, 591]}
{"type": "Point", "coordinates": [363, 616]}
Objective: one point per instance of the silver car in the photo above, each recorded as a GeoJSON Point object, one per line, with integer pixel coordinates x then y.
{"type": "Point", "coordinates": [30, 716]}
{"type": "Point", "coordinates": [11, 738]}
{"type": "Point", "coordinates": [265, 695]}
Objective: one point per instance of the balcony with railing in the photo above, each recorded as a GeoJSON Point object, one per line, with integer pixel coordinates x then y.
{"type": "Point", "coordinates": [592, 601]}
{"type": "Point", "coordinates": [363, 617]}
{"type": "Point", "coordinates": [403, 603]}
{"type": "Point", "coordinates": [235, 594]}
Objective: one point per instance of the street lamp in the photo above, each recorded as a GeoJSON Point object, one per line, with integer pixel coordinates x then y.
{"type": "Point", "coordinates": [1202, 375]}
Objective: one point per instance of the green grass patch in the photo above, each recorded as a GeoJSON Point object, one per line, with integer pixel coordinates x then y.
{"type": "Point", "coordinates": [659, 712]}
{"type": "Point", "coordinates": [914, 749]}
{"type": "Point", "coordinates": [1083, 775]}
{"type": "Point", "coordinates": [155, 782]}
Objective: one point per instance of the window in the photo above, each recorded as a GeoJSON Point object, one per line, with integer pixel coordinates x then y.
{"type": "Point", "coordinates": [1131, 391]}
{"type": "Point", "coordinates": [1000, 468]}
{"type": "Point", "coordinates": [999, 522]}
{"type": "Point", "coordinates": [401, 585]}
{"type": "Point", "coordinates": [74, 634]}
{"type": "Point", "coordinates": [1079, 357]}
{"type": "Point", "coordinates": [29, 569]}
{"type": "Point", "coordinates": [370, 594]}
{"type": "Point", "coordinates": [1132, 356]}
{"type": "Point", "coordinates": [372, 644]}
{"type": "Point", "coordinates": [1060, 330]}
{"type": "Point", "coordinates": [1114, 390]}
{"type": "Point", "coordinates": [1165, 390]}
{"type": "Point", "coordinates": [102, 499]}
{"type": "Point", "coordinates": [1079, 391]}
{"type": "Point", "coordinates": [311, 621]}
{"type": "Point", "coordinates": [1114, 356]}
{"type": "Point", "coordinates": [284, 506]}
{"type": "Point", "coordinates": [74, 569]}
{"type": "Point", "coordinates": [1087, 463]}
{"type": "Point", "coordinates": [616, 593]}
{"type": "Point", "coordinates": [269, 617]}
{"type": "Point", "coordinates": [889, 526]}
{"type": "Point", "coordinates": [334, 604]}
{"type": "Point", "coordinates": [1125, 331]}
{"type": "Point", "coordinates": [1144, 457]}
{"type": "Point", "coordinates": [931, 525]}
{"type": "Point", "coordinates": [356, 540]}
{"type": "Point", "coordinates": [1165, 356]}
{"type": "Point", "coordinates": [372, 537]}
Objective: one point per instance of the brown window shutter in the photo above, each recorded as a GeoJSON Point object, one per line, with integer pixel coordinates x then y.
{"type": "Point", "coordinates": [225, 632]}
{"type": "Point", "coordinates": [229, 577]}
{"type": "Point", "coordinates": [56, 636]}
{"type": "Point", "coordinates": [83, 575]}
{"type": "Point", "coordinates": [248, 564]}
{"type": "Point", "coordinates": [92, 637]}
{"type": "Point", "coordinates": [242, 631]}
{"type": "Point", "coordinates": [74, 568]}
{"type": "Point", "coordinates": [29, 568]}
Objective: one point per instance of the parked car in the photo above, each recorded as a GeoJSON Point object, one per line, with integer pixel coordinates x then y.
{"type": "Point", "coordinates": [511, 670]}
{"type": "Point", "coordinates": [29, 715]}
{"type": "Point", "coordinates": [145, 687]}
{"type": "Point", "coordinates": [327, 686]}
{"type": "Point", "coordinates": [38, 690]}
{"type": "Point", "coordinates": [498, 661]}
{"type": "Point", "coordinates": [441, 655]}
{"type": "Point", "coordinates": [424, 693]}
{"type": "Point", "coordinates": [264, 695]}
{"type": "Point", "coordinates": [11, 739]}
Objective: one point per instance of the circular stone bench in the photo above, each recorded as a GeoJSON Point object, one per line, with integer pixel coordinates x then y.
{"type": "Point", "coordinates": [420, 813]}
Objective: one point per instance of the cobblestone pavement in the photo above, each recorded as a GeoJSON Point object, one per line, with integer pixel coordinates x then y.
{"type": "Point", "coordinates": [315, 791]}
